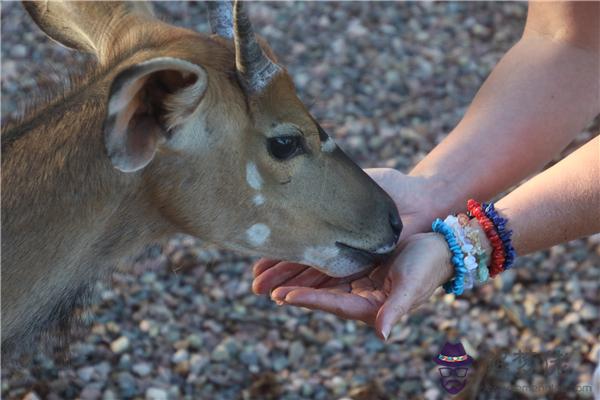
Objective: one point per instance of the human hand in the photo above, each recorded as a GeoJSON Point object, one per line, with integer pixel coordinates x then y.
{"type": "Point", "coordinates": [414, 198]}
{"type": "Point", "coordinates": [421, 264]}
{"type": "Point", "coordinates": [414, 203]}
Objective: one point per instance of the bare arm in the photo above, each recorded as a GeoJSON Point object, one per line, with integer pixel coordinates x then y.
{"type": "Point", "coordinates": [543, 92]}
{"type": "Point", "coordinates": [558, 205]}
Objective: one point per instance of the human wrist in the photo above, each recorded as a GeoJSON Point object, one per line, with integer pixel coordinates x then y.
{"type": "Point", "coordinates": [442, 252]}
{"type": "Point", "coordinates": [441, 195]}
{"type": "Point", "coordinates": [479, 243]}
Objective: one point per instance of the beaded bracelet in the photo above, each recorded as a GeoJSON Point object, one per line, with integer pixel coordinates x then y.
{"type": "Point", "coordinates": [498, 255]}
{"type": "Point", "coordinates": [503, 233]}
{"type": "Point", "coordinates": [482, 273]}
{"type": "Point", "coordinates": [467, 248]}
{"type": "Point", "coordinates": [455, 284]}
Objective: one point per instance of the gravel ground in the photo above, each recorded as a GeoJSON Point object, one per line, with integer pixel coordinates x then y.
{"type": "Point", "coordinates": [389, 80]}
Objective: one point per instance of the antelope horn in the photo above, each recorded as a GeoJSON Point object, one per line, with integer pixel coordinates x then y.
{"type": "Point", "coordinates": [255, 69]}
{"type": "Point", "coordinates": [220, 17]}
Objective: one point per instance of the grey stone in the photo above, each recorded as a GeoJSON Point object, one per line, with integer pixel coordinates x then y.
{"type": "Point", "coordinates": [156, 394]}
{"type": "Point", "coordinates": [142, 369]}
{"type": "Point", "coordinates": [120, 345]}
{"type": "Point", "coordinates": [85, 373]}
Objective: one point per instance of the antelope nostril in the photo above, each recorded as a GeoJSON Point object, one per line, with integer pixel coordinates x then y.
{"type": "Point", "coordinates": [396, 225]}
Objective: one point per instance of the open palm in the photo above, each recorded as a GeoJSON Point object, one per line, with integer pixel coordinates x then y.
{"type": "Point", "coordinates": [379, 299]}
{"type": "Point", "coordinates": [354, 297]}
{"type": "Point", "coordinates": [361, 296]}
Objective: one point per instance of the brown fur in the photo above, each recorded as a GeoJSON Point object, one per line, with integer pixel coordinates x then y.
{"type": "Point", "coordinates": [68, 215]}
{"type": "Point", "coordinates": [58, 184]}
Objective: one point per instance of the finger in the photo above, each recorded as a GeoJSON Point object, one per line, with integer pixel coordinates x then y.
{"type": "Point", "coordinates": [399, 302]}
{"type": "Point", "coordinates": [344, 305]}
{"type": "Point", "coordinates": [362, 284]}
{"type": "Point", "coordinates": [262, 265]}
{"type": "Point", "coordinates": [281, 292]}
{"type": "Point", "coordinates": [378, 274]}
{"type": "Point", "coordinates": [374, 296]}
{"type": "Point", "coordinates": [275, 276]}
{"type": "Point", "coordinates": [310, 277]}
{"type": "Point", "coordinates": [331, 282]}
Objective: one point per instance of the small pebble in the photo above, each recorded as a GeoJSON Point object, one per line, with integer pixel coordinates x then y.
{"type": "Point", "coordinates": [120, 345]}
{"type": "Point", "coordinates": [156, 394]}
{"type": "Point", "coordinates": [85, 373]}
{"type": "Point", "coordinates": [142, 369]}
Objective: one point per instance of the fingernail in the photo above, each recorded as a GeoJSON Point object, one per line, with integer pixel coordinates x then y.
{"type": "Point", "coordinates": [279, 302]}
{"type": "Point", "coordinates": [385, 333]}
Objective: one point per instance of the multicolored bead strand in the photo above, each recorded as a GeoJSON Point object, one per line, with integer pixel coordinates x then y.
{"type": "Point", "coordinates": [482, 274]}
{"type": "Point", "coordinates": [456, 284]}
{"type": "Point", "coordinates": [467, 248]}
{"type": "Point", "coordinates": [504, 233]}
{"type": "Point", "coordinates": [498, 254]}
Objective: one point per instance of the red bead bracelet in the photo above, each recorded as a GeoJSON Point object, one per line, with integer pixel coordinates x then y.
{"type": "Point", "coordinates": [498, 255]}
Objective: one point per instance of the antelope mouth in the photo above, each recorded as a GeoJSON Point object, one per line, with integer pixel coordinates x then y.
{"type": "Point", "coordinates": [363, 256]}
{"type": "Point", "coordinates": [344, 261]}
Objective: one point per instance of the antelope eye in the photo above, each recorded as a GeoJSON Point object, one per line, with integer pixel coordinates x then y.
{"type": "Point", "coordinates": [285, 147]}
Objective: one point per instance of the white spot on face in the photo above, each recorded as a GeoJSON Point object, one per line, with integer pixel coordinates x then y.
{"type": "Point", "coordinates": [258, 234]}
{"type": "Point", "coordinates": [259, 199]}
{"type": "Point", "coordinates": [253, 177]}
{"type": "Point", "coordinates": [328, 146]}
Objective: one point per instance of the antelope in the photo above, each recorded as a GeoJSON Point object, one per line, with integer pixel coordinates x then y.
{"type": "Point", "coordinates": [171, 131]}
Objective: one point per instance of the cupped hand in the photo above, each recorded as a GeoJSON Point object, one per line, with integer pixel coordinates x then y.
{"type": "Point", "coordinates": [357, 297]}
{"type": "Point", "coordinates": [421, 264]}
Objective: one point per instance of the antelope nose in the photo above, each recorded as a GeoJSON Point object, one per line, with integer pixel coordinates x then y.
{"type": "Point", "coordinates": [396, 225]}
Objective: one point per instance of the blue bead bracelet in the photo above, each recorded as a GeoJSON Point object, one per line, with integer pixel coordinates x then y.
{"type": "Point", "coordinates": [456, 284]}
{"type": "Point", "coordinates": [504, 234]}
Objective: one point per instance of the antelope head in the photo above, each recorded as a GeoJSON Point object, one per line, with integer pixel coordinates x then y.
{"type": "Point", "coordinates": [226, 150]}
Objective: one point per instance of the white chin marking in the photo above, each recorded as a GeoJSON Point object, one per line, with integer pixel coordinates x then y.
{"type": "Point", "coordinates": [329, 261]}
{"type": "Point", "coordinates": [258, 200]}
{"type": "Point", "coordinates": [258, 234]}
{"type": "Point", "coordinates": [318, 256]}
{"type": "Point", "coordinates": [328, 146]}
{"type": "Point", "coordinates": [253, 177]}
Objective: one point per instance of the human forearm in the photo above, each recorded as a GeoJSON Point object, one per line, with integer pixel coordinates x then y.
{"type": "Point", "coordinates": [560, 204]}
{"type": "Point", "coordinates": [536, 100]}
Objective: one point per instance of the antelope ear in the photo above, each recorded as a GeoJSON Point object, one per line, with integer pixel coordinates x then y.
{"type": "Point", "coordinates": [146, 103]}
{"type": "Point", "coordinates": [90, 26]}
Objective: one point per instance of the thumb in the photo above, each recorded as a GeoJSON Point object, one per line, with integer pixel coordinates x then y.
{"type": "Point", "coordinates": [398, 303]}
